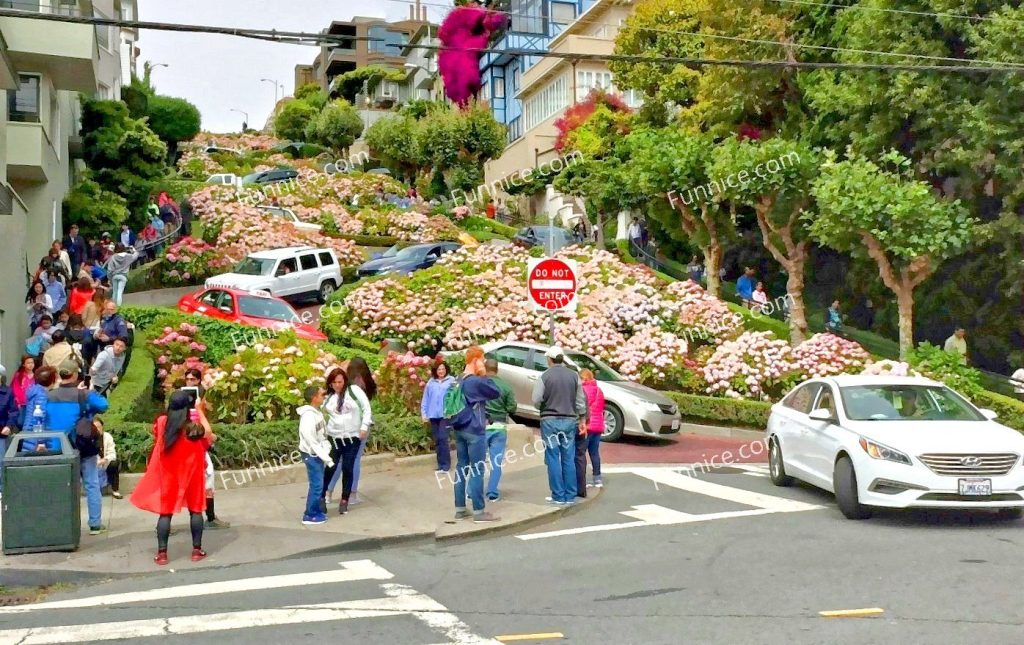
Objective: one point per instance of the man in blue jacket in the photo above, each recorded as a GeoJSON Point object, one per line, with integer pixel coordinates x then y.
{"type": "Point", "coordinates": [470, 426]}
{"type": "Point", "coordinates": [66, 405]}
{"type": "Point", "coordinates": [8, 419]}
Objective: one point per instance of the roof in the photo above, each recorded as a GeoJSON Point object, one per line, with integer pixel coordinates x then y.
{"type": "Point", "coordinates": [849, 380]}
{"type": "Point", "coordinates": [287, 252]}
{"type": "Point", "coordinates": [240, 292]}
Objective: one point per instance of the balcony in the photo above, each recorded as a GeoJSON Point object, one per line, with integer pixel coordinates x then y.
{"type": "Point", "coordinates": [30, 156]}
{"type": "Point", "coordinates": [67, 53]}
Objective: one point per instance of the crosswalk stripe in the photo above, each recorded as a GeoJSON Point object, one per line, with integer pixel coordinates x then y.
{"type": "Point", "coordinates": [440, 619]}
{"type": "Point", "coordinates": [728, 493]}
{"type": "Point", "coordinates": [351, 571]}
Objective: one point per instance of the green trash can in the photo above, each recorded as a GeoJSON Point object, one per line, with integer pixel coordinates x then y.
{"type": "Point", "coordinates": [42, 488]}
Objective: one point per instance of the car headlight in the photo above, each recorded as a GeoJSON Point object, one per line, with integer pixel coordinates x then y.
{"type": "Point", "coordinates": [880, 451]}
{"type": "Point", "coordinates": [650, 406]}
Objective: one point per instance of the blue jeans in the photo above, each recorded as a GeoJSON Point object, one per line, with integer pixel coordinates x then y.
{"type": "Point", "coordinates": [439, 430]}
{"type": "Point", "coordinates": [594, 450]}
{"type": "Point", "coordinates": [315, 474]}
{"type": "Point", "coordinates": [496, 441]}
{"type": "Point", "coordinates": [559, 434]}
{"type": "Point", "coordinates": [118, 283]}
{"type": "Point", "coordinates": [471, 453]}
{"type": "Point", "coordinates": [91, 482]}
{"type": "Point", "coordinates": [3, 451]}
{"type": "Point", "coordinates": [355, 468]}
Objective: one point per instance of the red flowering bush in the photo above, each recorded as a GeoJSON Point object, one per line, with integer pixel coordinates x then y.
{"type": "Point", "coordinates": [401, 380]}
{"type": "Point", "coordinates": [576, 115]}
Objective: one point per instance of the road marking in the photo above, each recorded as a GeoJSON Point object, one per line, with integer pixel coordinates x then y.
{"type": "Point", "coordinates": [438, 617]}
{"type": "Point", "coordinates": [350, 572]}
{"type": "Point", "coordinates": [852, 613]}
{"type": "Point", "coordinates": [728, 493]}
{"type": "Point", "coordinates": [650, 515]}
{"type": "Point", "coordinates": [511, 638]}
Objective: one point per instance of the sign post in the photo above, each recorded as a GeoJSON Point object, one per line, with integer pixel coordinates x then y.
{"type": "Point", "coordinates": [551, 283]}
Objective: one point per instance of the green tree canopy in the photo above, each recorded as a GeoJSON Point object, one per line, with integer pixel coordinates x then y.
{"type": "Point", "coordinates": [313, 94]}
{"type": "Point", "coordinates": [293, 119]}
{"type": "Point", "coordinates": [337, 126]}
{"type": "Point", "coordinates": [94, 209]}
{"type": "Point", "coordinates": [173, 119]}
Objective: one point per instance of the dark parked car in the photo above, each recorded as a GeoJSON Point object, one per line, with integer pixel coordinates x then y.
{"type": "Point", "coordinates": [403, 261]}
{"type": "Point", "coordinates": [545, 237]}
{"type": "Point", "coordinates": [270, 176]}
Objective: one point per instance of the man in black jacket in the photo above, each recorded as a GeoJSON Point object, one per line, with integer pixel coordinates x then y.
{"type": "Point", "coordinates": [558, 394]}
{"type": "Point", "coordinates": [77, 248]}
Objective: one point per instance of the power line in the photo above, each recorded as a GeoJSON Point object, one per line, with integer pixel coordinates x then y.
{"type": "Point", "coordinates": [910, 12]}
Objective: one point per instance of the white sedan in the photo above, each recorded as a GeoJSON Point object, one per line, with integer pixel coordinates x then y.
{"type": "Point", "coordinates": [895, 442]}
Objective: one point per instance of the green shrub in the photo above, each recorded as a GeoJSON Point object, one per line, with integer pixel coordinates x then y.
{"type": "Point", "coordinates": [132, 399]}
{"type": "Point", "coordinates": [477, 223]}
{"type": "Point", "coordinates": [179, 189]}
{"type": "Point", "coordinates": [145, 277]}
{"type": "Point", "coordinates": [716, 410]}
{"type": "Point", "coordinates": [370, 240]}
{"type": "Point", "coordinates": [401, 434]}
{"type": "Point", "coordinates": [1010, 411]}
{"type": "Point", "coordinates": [936, 363]}
{"type": "Point", "coordinates": [219, 337]}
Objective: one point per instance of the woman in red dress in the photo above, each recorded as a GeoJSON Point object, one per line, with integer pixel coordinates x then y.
{"type": "Point", "coordinates": [176, 473]}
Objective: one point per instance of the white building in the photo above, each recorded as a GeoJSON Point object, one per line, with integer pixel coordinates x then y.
{"type": "Point", "coordinates": [44, 65]}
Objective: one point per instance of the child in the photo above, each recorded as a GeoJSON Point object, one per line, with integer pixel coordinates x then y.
{"type": "Point", "coordinates": [595, 428]}
{"type": "Point", "coordinates": [316, 452]}
{"type": "Point", "coordinates": [110, 468]}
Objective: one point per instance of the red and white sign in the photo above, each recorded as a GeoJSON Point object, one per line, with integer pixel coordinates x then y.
{"type": "Point", "coordinates": [552, 284]}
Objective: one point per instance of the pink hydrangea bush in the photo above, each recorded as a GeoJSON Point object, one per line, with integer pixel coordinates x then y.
{"type": "Point", "coordinates": [401, 380]}
{"type": "Point", "coordinates": [190, 261]}
{"type": "Point", "coordinates": [657, 359]}
{"type": "Point", "coordinates": [505, 321]}
{"type": "Point", "coordinates": [887, 367]}
{"type": "Point", "coordinates": [700, 317]}
{"type": "Point", "coordinates": [174, 350]}
{"type": "Point", "coordinates": [755, 365]}
{"type": "Point", "coordinates": [827, 354]}
{"type": "Point", "coordinates": [596, 336]}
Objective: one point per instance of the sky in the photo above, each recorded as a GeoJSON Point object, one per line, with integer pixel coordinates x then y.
{"type": "Point", "coordinates": [218, 73]}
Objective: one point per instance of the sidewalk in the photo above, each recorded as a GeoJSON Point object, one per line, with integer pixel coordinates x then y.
{"type": "Point", "coordinates": [403, 504]}
{"type": "Point", "coordinates": [158, 297]}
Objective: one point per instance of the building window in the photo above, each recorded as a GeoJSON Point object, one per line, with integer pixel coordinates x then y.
{"type": "Point", "coordinates": [388, 42]}
{"type": "Point", "coordinates": [104, 92]}
{"type": "Point", "coordinates": [528, 16]}
{"type": "Point", "coordinates": [23, 103]}
{"type": "Point", "coordinates": [515, 79]}
{"type": "Point", "coordinates": [588, 81]}
{"type": "Point", "coordinates": [485, 92]}
{"type": "Point", "coordinates": [499, 88]}
{"type": "Point", "coordinates": [546, 103]}
{"type": "Point", "coordinates": [562, 13]}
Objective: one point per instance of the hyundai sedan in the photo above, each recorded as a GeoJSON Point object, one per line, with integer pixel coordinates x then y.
{"type": "Point", "coordinates": [895, 442]}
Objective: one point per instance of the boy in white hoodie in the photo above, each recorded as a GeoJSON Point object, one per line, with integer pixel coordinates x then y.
{"type": "Point", "coordinates": [316, 451]}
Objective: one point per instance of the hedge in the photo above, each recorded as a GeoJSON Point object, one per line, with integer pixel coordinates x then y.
{"type": "Point", "coordinates": [1010, 410]}
{"type": "Point", "coordinates": [718, 410]}
{"type": "Point", "coordinates": [145, 277]}
{"type": "Point", "coordinates": [370, 240]}
{"type": "Point", "coordinates": [178, 189]}
{"type": "Point", "coordinates": [132, 399]}
{"type": "Point", "coordinates": [477, 223]}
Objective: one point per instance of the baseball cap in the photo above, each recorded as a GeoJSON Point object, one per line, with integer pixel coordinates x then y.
{"type": "Point", "coordinates": [67, 369]}
{"type": "Point", "coordinates": [555, 352]}
{"type": "Point", "coordinates": [3, 371]}
{"type": "Point", "coordinates": [105, 234]}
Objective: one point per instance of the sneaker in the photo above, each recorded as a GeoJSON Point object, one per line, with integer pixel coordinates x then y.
{"type": "Point", "coordinates": [493, 498]}
{"type": "Point", "coordinates": [161, 558]}
{"type": "Point", "coordinates": [116, 495]}
{"type": "Point", "coordinates": [599, 484]}
{"type": "Point", "coordinates": [461, 513]}
{"type": "Point", "coordinates": [198, 554]}
{"type": "Point", "coordinates": [354, 499]}
{"type": "Point", "coordinates": [484, 518]}
{"type": "Point", "coordinates": [312, 520]}
{"type": "Point", "coordinates": [216, 523]}
{"type": "Point", "coordinates": [590, 484]}
{"type": "Point", "coordinates": [343, 507]}
{"type": "Point", "coordinates": [96, 530]}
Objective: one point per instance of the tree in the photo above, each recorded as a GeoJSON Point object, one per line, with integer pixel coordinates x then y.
{"type": "Point", "coordinates": [898, 222]}
{"type": "Point", "coordinates": [452, 141]}
{"type": "Point", "coordinates": [313, 94]}
{"type": "Point", "coordinates": [393, 140]}
{"type": "Point", "coordinates": [337, 126]}
{"type": "Point", "coordinates": [349, 84]}
{"type": "Point", "coordinates": [94, 209]}
{"type": "Point", "coordinates": [774, 178]}
{"type": "Point", "coordinates": [124, 155]}
{"type": "Point", "coordinates": [173, 120]}
{"type": "Point", "coordinates": [293, 119]}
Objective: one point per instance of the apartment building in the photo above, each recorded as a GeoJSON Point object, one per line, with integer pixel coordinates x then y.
{"type": "Point", "coordinates": [539, 95]}
{"type": "Point", "coordinates": [44, 65]}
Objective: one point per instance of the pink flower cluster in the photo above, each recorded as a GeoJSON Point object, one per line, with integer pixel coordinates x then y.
{"type": "Point", "coordinates": [175, 350]}
{"type": "Point", "coordinates": [505, 321]}
{"type": "Point", "coordinates": [652, 356]}
{"type": "Point", "coordinates": [402, 378]}
{"type": "Point", "coordinates": [701, 317]}
{"type": "Point", "coordinates": [594, 335]}
{"type": "Point", "coordinates": [191, 260]}
{"type": "Point", "coordinates": [887, 367]}
{"type": "Point", "coordinates": [754, 365]}
{"type": "Point", "coordinates": [826, 354]}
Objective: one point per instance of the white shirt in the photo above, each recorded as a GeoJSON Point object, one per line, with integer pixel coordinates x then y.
{"type": "Point", "coordinates": [1019, 377]}
{"type": "Point", "coordinates": [760, 297]}
{"type": "Point", "coordinates": [353, 418]}
{"type": "Point", "coordinates": [634, 231]}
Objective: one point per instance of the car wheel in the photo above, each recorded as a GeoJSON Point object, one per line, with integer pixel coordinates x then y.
{"type": "Point", "coordinates": [776, 467]}
{"type": "Point", "coordinates": [844, 481]}
{"type": "Point", "coordinates": [326, 289]}
{"type": "Point", "coordinates": [614, 425]}
{"type": "Point", "coordinates": [1011, 513]}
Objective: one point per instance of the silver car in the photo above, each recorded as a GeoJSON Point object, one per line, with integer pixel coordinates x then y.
{"type": "Point", "coordinates": [630, 408]}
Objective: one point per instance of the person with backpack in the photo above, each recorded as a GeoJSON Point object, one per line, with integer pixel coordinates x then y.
{"type": "Point", "coordinates": [558, 394]}
{"type": "Point", "coordinates": [348, 423]}
{"type": "Point", "coordinates": [498, 412]}
{"type": "Point", "coordinates": [464, 409]}
{"type": "Point", "coordinates": [70, 409]}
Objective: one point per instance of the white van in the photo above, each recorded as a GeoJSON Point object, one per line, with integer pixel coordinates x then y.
{"type": "Point", "coordinates": [289, 216]}
{"type": "Point", "coordinates": [293, 272]}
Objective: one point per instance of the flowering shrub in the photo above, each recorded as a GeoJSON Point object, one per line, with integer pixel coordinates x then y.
{"type": "Point", "coordinates": [701, 318]}
{"type": "Point", "coordinates": [174, 351]}
{"type": "Point", "coordinates": [265, 381]}
{"type": "Point", "coordinates": [826, 354]}
{"type": "Point", "coordinates": [596, 336]}
{"type": "Point", "coordinates": [197, 165]}
{"type": "Point", "coordinates": [755, 365]}
{"type": "Point", "coordinates": [656, 358]}
{"type": "Point", "coordinates": [190, 261]}
{"type": "Point", "coordinates": [401, 380]}
{"type": "Point", "coordinates": [887, 367]}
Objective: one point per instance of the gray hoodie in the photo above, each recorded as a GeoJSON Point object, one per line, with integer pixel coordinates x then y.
{"type": "Point", "coordinates": [121, 263]}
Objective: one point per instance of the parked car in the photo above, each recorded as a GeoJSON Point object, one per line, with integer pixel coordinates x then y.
{"type": "Point", "coordinates": [225, 179]}
{"type": "Point", "coordinates": [289, 216]}
{"type": "Point", "coordinates": [274, 176]}
{"type": "Point", "coordinates": [213, 150]}
{"type": "Point", "coordinates": [895, 442]}
{"type": "Point", "coordinates": [630, 408]}
{"type": "Point", "coordinates": [547, 237]}
{"type": "Point", "coordinates": [253, 309]}
{"type": "Point", "coordinates": [404, 261]}
{"type": "Point", "coordinates": [293, 272]}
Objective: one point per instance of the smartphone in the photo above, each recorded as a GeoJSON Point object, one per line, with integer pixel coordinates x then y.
{"type": "Point", "coordinates": [194, 391]}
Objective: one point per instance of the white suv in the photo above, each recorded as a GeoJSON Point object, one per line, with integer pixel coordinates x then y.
{"type": "Point", "coordinates": [289, 216]}
{"type": "Point", "coordinates": [293, 272]}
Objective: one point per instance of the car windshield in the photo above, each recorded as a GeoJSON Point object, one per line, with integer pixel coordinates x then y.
{"type": "Point", "coordinates": [412, 253]}
{"type": "Point", "coordinates": [275, 211]}
{"type": "Point", "coordinates": [255, 266]}
{"type": "Point", "coordinates": [906, 403]}
{"type": "Point", "coordinates": [266, 308]}
{"type": "Point", "coordinates": [248, 179]}
{"type": "Point", "coordinates": [601, 371]}
{"type": "Point", "coordinates": [392, 252]}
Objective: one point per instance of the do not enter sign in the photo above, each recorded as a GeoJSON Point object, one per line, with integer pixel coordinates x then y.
{"type": "Point", "coordinates": [552, 284]}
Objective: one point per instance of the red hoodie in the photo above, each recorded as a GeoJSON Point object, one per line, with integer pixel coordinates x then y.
{"type": "Point", "coordinates": [595, 401]}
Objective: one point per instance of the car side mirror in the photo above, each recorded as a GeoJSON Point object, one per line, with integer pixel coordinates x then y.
{"type": "Point", "coordinates": [991, 415]}
{"type": "Point", "coordinates": [821, 414]}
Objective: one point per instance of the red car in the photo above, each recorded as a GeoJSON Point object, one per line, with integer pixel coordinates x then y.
{"type": "Point", "coordinates": [246, 308]}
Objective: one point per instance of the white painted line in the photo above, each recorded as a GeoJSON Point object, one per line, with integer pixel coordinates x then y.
{"type": "Point", "coordinates": [552, 285]}
{"type": "Point", "coordinates": [651, 515]}
{"type": "Point", "coordinates": [583, 529]}
{"type": "Point", "coordinates": [728, 493]}
{"type": "Point", "coordinates": [439, 618]}
{"type": "Point", "coordinates": [351, 571]}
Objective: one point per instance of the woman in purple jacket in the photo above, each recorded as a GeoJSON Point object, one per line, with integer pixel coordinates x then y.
{"type": "Point", "coordinates": [432, 411]}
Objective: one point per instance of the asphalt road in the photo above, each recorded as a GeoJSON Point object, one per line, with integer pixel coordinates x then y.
{"type": "Point", "coordinates": [721, 558]}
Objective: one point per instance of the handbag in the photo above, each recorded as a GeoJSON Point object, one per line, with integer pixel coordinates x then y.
{"type": "Point", "coordinates": [85, 433]}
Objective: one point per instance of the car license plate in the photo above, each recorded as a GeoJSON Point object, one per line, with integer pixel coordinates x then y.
{"type": "Point", "coordinates": [975, 486]}
{"type": "Point", "coordinates": [675, 424]}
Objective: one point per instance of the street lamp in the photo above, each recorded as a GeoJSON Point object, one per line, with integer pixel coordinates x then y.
{"type": "Point", "coordinates": [276, 85]}
{"type": "Point", "coordinates": [245, 124]}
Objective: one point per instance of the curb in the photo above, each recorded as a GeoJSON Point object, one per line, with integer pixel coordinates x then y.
{"type": "Point", "coordinates": [550, 514]}
{"type": "Point", "coordinates": [720, 431]}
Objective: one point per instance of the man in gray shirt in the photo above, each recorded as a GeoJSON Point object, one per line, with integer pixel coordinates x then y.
{"type": "Point", "coordinates": [108, 365]}
{"type": "Point", "coordinates": [559, 396]}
